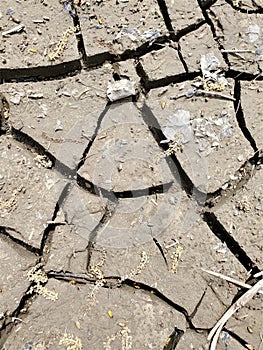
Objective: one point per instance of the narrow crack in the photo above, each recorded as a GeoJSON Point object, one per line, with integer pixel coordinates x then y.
{"type": "Point", "coordinates": [173, 339]}
{"type": "Point", "coordinates": [40, 73]}
{"type": "Point", "coordinates": [172, 161]}
{"type": "Point", "coordinates": [182, 59]}
{"type": "Point", "coordinates": [144, 48]}
{"type": "Point", "coordinates": [148, 84]}
{"type": "Point", "coordinates": [166, 18]}
{"type": "Point", "coordinates": [191, 28]}
{"type": "Point", "coordinates": [149, 46]}
{"type": "Point", "coordinates": [252, 281]}
{"type": "Point", "coordinates": [93, 137]}
{"type": "Point", "coordinates": [238, 75]}
{"type": "Point", "coordinates": [108, 213]}
{"type": "Point", "coordinates": [158, 245]}
{"type": "Point", "coordinates": [240, 340]}
{"type": "Point", "coordinates": [229, 189]}
{"type": "Point", "coordinates": [172, 79]}
{"type": "Point", "coordinates": [205, 4]}
{"type": "Point", "coordinates": [242, 10]}
{"type": "Point", "coordinates": [117, 282]}
{"type": "Point", "coordinates": [47, 236]}
{"type": "Point", "coordinates": [216, 198]}
{"type": "Point", "coordinates": [10, 320]}
{"type": "Point", "coordinates": [109, 194]}
{"type": "Point", "coordinates": [240, 116]}
{"type": "Point", "coordinates": [218, 229]}
{"type": "Point", "coordinates": [149, 191]}
{"type": "Point", "coordinates": [144, 79]}
{"type": "Point", "coordinates": [36, 148]}
{"type": "Point", "coordinates": [213, 30]}
{"type": "Point", "coordinates": [67, 173]}
{"type": "Point", "coordinates": [79, 36]}
{"type": "Point", "coordinates": [6, 232]}
{"type": "Point", "coordinates": [198, 304]}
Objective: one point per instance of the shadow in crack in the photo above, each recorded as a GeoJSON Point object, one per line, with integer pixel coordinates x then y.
{"type": "Point", "coordinates": [173, 340]}
{"type": "Point", "coordinates": [240, 116]}
{"type": "Point", "coordinates": [218, 229]}
{"type": "Point", "coordinates": [40, 73]}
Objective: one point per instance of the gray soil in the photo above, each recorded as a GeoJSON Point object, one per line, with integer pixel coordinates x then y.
{"type": "Point", "coordinates": [130, 164]}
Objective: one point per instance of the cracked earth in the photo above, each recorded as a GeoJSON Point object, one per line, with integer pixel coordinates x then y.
{"type": "Point", "coordinates": [131, 167]}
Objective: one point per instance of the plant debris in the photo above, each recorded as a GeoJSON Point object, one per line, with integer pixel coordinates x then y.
{"type": "Point", "coordinates": [213, 78]}
{"type": "Point", "coordinates": [37, 275]}
{"type": "Point", "coordinates": [71, 341]}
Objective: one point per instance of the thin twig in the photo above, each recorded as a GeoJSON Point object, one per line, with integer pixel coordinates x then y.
{"type": "Point", "coordinates": [238, 51]}
{"type": "Point", "coordinates": [83, 93]}
{"type": "Point", "coordinates": [13, 30]}
{"type": "Point", "coordinates": [243, 300]}
{"type": "Point", "coordinates": [215, 94]}
{"type": "Point", "coordinates": [258, 274]}
{"type": "Point", "coordinates": [230, 279]}
{"type": "Point", "coordinates": [205, 93]}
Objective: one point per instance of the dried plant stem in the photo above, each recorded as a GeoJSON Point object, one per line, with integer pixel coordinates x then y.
{"type": "Point", "coordinates": [243, 300]}
{"type": "Point", "coordinates": [238, 51]}
{"type": "Point", "coordinates": [258, 274]}
{"type": "Point", "coordinates": [207, 93]}
{"type": "Point", "coordinates": [230, 279]}
{"type": "Point", "coordinates": [215, 94]}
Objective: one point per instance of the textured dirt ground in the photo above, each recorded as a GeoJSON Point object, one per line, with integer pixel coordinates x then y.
{"type": "Point", "coordinates": [113, 209]}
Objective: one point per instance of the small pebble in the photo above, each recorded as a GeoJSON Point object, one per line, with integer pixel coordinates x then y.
{"type": "Point", "coordinates": [10, 12]}
{"type": "Point", "coordinates": [15, 99]}
{"type": "Point", "coordinates": [35, 96]}
{"type": "Point", "coordinates": [59, 126]}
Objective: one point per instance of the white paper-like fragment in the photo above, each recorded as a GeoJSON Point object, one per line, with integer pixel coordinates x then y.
{"type": "Point", "coordinates": [253, 33]}
{"type": "Point", "coordinates": [120, 89]}
{"type": "Point", "coordinates": [178, 123]}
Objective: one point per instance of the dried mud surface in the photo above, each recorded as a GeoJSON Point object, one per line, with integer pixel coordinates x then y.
{"type": "Point", "coordinates": [112, 210]}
